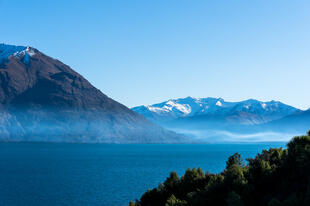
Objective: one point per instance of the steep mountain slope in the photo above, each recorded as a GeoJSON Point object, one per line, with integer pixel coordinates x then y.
{"type": "Point", "coordinates": [42, 99]}
{"type": "Point", "coordinates": [216, 109]}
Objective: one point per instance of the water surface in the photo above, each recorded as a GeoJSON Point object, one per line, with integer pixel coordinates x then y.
{"type": "Point", "coordinates": [101, 174]}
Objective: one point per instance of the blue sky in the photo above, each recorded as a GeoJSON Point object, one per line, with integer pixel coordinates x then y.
{"type": "Point", "coordinates": [143, 52]}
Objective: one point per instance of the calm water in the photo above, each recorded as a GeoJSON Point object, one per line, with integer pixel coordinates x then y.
{"type": "Point", "coordinates": [109, 175]}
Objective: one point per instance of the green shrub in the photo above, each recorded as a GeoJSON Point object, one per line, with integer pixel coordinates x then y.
{"type": "Point", "coordinates": [274, 177]}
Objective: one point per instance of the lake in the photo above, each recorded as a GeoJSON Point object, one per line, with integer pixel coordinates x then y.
{"type": "Point", "coordinates": [101, 174]}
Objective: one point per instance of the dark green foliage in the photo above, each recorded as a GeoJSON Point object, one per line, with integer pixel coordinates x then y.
{"type": "Point", "coordinates": [234, 199]}
{"type": "Point", "coordinates": [274, 202]}
{"type": "Point", "coordinates": [172, 181]}
{"type": "Point", "coordinates": [235, 159]}
{"type": "Point", "coordinates": [131, 203]}
{"type": "Point", "coordinates": [273, 178]}
{"type": "Point", "coordinates": [173, 201]}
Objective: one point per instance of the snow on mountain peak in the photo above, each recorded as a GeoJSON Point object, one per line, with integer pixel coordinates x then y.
{"type": "Point", "coordinates": [7, 51]}
{"type": "Point", "coordinates": [170, 106]}
{"type": "Point", "coordinates": [189, 107]}
{"type": "Point", "coordinates": [219, 103]}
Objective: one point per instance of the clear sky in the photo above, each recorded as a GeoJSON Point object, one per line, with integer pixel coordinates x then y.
{"type": "Point", "coordinates": [144, 52]}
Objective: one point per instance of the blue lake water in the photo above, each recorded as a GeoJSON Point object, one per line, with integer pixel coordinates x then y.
{"type": "Point", "coordinates": [101, 174]}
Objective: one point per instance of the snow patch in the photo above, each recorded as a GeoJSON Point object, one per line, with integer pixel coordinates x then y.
{"type": "Point", "coordinates": [157, 109]}
{"type": "Point", "coordinates": [184, 108]}
{"type": "Point", "coordinates": [169, 107]}
{"type": "Point", "coordinates": [7, 51]}
{"type": "Point", "coordinates": [218, 103]}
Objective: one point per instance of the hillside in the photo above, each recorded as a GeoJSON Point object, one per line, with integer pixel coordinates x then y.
{"type": "Point", "coordinates": [292, 123]}
{"type": "Point", "coordinates": [42, 99]}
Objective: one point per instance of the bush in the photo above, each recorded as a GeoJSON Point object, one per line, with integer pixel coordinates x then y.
{"type": "Point", "coordinates": [274, 177]}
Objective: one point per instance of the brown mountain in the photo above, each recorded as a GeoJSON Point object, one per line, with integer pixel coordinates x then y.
{"type": "Point", "coordinates": [42, 99]}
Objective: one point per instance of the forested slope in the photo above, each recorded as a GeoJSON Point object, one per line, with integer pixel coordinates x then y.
{"type": "Point", "coordinates": [275, 177]}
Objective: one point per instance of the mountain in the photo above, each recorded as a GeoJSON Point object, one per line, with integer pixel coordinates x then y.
{"type": "Point", "coordinates": [296, 122]}
{"type": "Point", "coordinates": [248, 112]}
{"type": "Point", "coordinates": [42, 99]}
{"type": "Point", "coordinates": [216, 120]}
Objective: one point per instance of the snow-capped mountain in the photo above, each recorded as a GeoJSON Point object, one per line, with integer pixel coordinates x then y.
{"type": "Point", "coordinates": [42, 99]}
{"type": "Point", "coordinates": [245, 112]}
{"type": "Point", "coordinates": [22, 52]}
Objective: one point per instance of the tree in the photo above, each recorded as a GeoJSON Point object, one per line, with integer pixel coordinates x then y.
{"type": "Point", "coordinates": [274, 202]}
{"type": "Point", "coordinates": [234, 177]}
{"type": "Point", "coordinates": [173, 201]}
{"type": "Point", "coordinates": [131, 203]}
{"type": "Point", "coordinates": [274, 177]}
{"type": "Point", "coordinates": [172, 180]}
{"type": "Point", "coordinates": [234, 199]}
{"type": "Point", "coordinates": [235, 159]}
{"type": "Point", "coordinates": [299, 151]}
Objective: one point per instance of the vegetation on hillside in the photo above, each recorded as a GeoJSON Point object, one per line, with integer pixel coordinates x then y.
{"type": "Point", "coordinates": [275, 177]}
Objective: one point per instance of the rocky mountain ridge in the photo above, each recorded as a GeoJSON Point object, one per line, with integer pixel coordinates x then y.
{"type": "Point", "coordinates": [42, 99]}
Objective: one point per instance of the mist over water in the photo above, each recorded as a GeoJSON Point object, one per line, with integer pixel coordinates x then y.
{"type": "Point", "coordinates": [224, 136]}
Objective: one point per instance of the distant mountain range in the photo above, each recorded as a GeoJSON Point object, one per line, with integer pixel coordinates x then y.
{"type": "Point", "coordinates": [215, 114]}
{"type": "Point", "coordinates": [296, 122]}
{"type": "Point", "coordinates": [42, 99]}
{"type": "Point", "coordinates": [245, 112]}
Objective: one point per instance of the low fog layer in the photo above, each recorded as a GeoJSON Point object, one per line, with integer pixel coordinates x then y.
{"type": "Point", "coordinates": [217, 136]}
